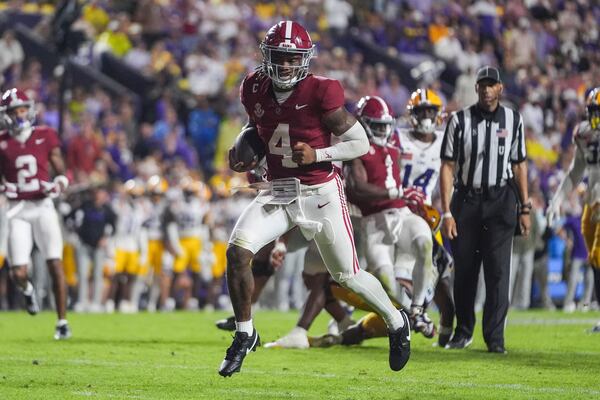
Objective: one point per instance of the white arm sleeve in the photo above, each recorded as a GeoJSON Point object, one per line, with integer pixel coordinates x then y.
{"type": "Point", "coordinates": [354, 143]}
{"type": "Point", "coordinates": [570, 181]}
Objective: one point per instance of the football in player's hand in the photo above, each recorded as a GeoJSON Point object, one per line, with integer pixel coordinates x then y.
{"type": "Point", "coordinates": [247, 150]}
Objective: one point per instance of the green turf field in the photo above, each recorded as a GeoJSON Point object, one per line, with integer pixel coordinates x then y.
{"type": "Point", "coordinates": [176, 356]}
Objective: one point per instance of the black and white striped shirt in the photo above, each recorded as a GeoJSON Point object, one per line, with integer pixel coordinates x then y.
{"type": "Point", "coordinates": [482, 144]}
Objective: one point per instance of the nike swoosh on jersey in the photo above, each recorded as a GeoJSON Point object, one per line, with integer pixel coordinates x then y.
{"type": "Point", "coordinates": [322, 205]}
{"type": "Point", "coordinates": [300, 107]}
{"type": "Point", "coordinates": [39, 141]}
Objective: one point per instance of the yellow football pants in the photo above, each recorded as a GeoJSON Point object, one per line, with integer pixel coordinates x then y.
{"type": "Point", "coordinates": [156, 249]}
{"type": "Point", "coordinates": [69, 264]}
{"type": "Point", "coordinates": [591, 233]}
{"type": "Point", "coordinates": [220, 265]}
{"type": "Point", "coordinates": [191, 246]}
{"type": "Point", "coordinates": [127, 261]}
{"type": "Point", "coordinates": [372, 323]}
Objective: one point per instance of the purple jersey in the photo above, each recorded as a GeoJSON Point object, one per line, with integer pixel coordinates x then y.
{"type": "Point", "coordinates": [27, 164]}
{"type": "Point", "coordinates": [383, 170]}
{"type": "Point", "coordinates": [297, 119]}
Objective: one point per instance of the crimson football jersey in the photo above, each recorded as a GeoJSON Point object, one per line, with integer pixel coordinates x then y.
{"type": "Point", "coordinates": [27, 164]}
{"type": "Point", "coordinates": [298, 119]}
{"type": "Point", "coordinates": [383, 170]}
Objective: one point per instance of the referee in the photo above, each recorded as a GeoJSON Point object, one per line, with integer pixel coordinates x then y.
{"type": "Point", "coordinates": [483, 154]}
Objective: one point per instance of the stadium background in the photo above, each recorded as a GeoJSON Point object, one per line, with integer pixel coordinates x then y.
{"type": "Point", "coordinates": [178, 102]}
{"type": "Point", "coordinates": [151, 86]}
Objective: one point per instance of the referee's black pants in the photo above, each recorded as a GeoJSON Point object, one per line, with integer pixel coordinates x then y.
{"type": "Point", "coordinates": [485, 224]}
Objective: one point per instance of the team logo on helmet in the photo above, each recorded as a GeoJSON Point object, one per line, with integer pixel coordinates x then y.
{"type": "Point", "coordinates": [287, 50]}
{"type": "Point", "coordinates": [425, 110]}
{"type": "Point", "coordinates": [374, 114]}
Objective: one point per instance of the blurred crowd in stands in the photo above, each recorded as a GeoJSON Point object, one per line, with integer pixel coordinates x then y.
{"type": "Point", "coordinates": [547, 50]}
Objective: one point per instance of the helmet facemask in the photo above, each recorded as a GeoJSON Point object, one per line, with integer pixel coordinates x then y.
{"type": "Point", "coordinates": [378, 131]}
{"type": "Point", "coordinates": [19, 119]}
{"type": "Point", "coordinates": [593, 116]}
{"type": "Point", "coordinates": [424, 119]}
{"type": "Point", "coordinates": [286, 66]}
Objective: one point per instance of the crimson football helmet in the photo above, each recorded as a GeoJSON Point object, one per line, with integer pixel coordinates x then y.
{"type": "Point", "coordinates": [287, 41]}
{"type": "Point", "coordinates": [11, 100]}
{"type": "Point", "coordinates": [374, 114]}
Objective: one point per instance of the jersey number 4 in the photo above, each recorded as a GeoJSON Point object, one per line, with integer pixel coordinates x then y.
{"type": "Point", "coordinates": [420, 181]}
{"type": "Point", "coordinates": [27, 169]}
{"type": "Point", "coordinates": [279, 145]}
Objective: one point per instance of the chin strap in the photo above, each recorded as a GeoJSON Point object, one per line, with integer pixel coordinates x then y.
{"type": "Point", "coordinates": [23, 134]}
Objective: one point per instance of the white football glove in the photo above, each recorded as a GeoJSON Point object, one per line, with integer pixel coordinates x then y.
{"type": "Point", "coordinates": [55, 188]}
{"type": "Point", "coordinates": [278, 254]}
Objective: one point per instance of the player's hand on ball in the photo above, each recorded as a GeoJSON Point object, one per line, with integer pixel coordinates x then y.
{"type": "Point", "coordinates": [303, 154]}
{"type": "Point", "coordinates": [239, 166]}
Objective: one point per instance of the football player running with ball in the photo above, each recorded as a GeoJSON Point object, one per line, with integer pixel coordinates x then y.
{"type": "Point", "coordinates": [294, 114]}
{"type": "Point", "coordinates": [26, 152]}
{"type": "Point", "coordinates": [586, 137]}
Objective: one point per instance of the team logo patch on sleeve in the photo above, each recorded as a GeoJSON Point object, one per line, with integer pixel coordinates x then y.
{"type": "Point", "coordinates": [258, 110]}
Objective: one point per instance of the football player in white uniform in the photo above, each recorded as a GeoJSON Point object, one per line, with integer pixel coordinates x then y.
{"type": "Point", "coordinates": [190, 214]}
{"type": "Point", "coordinates": [586, 138]}
{"type": "Point", "coordinates": [156, 189]}
{"type": "Point", "coordinates": [130, 243]}
{"type": "Point", "coordinates": [420, 163]}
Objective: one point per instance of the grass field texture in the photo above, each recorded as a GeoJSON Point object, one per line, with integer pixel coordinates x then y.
{"type": "Point", "coordinates": [176, 356]}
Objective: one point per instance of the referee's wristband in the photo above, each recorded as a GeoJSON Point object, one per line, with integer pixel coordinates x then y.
{"type": "Point", "coordinates": [447, 215]}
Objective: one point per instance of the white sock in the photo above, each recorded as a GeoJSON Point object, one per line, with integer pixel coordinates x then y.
{"type": "Point", "coordinates": [423, 273]}
{"type": "Point", "coordinates": [245, 326]}
{"type": "Point", "coordinates": [28, 290]}
{"type": "Point", "coordinates": [369, 288]}
{"type": "Point", "coordinates": [298, 330]}
{"type": "Point", "coordinates": [61, 322]}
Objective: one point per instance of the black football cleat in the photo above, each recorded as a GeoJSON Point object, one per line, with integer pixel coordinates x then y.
{"type": "Point", "coordinates": [227, 324]}
{"type": "Point", "coordinates": [62, 332]}
{"type": "Point", "coordinates": [497, 348]}
{"type": "Point", "coordinates": [32, 304]}
{"type": "Point", "coordinates": [459, 342]}
{"type": "Point", "coordinates": [239, 349]}
{"type": "Point", "coordinates": [400, 345]}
